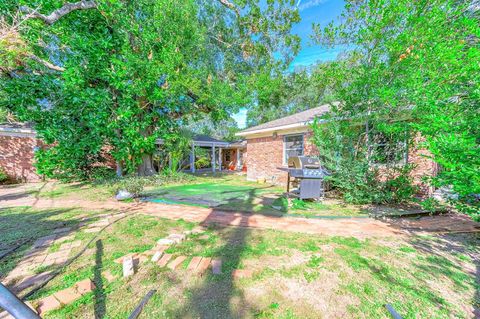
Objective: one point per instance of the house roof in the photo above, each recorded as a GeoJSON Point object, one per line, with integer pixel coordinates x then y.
{"type": "Point", "coordinates": [15, 126]}
{"type": "Point", "coordinates": [206, 138]}
{"type": "Point", "coordinates": [298, 119]}
{"type": "Point", "coordinates": [16, 129]}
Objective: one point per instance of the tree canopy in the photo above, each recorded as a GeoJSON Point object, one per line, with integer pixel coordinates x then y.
{"type": "Point", "coordinates": [414, 60]}
{"type": "Point", "coordinates": [118, 75]}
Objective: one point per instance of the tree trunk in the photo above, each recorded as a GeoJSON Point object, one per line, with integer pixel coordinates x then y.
{"type": "Point", "coordinates": [119, 168]}
{"type": "Point", "coordinates": [146, 168]}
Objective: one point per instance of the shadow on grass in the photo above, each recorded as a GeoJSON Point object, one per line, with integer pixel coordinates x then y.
{"type": "Point", "coordinates": [23, 224]}
{"type": "Point", "coordinates": [218, 296]}
{"type": "Point", "coordinates": [20, 224]}
{"type": "Point", "coordinates": [99, 293]}
{"type": "Point", "coordinates": [465, 247]}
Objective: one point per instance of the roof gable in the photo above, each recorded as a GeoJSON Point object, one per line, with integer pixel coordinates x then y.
{"type": "Point", "coordinates": [301, 118]}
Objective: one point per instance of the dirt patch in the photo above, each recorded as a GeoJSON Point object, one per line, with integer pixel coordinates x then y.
{"type": "Point", "coordinates": [319, 296]}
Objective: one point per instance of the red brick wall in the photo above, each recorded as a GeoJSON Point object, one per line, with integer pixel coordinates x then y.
{"type": "Point", "coordinates": [423, 165]}
{"type": "Point", "coordinates": [16, 157]}
{"type": "Point", "coordinates": [265, 156]}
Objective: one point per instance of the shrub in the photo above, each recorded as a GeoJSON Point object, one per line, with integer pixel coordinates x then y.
{"type": "Point", "coordinates": [136, 184]}
{"type": "Point", "coordinates": [3, 175]}
{"type": "Point", "coordinates": [346, 151]}
{"type": "Point", "coordinates": [430, 205]}
{"type": "Point", "coordinates": [132, 184]}
{"type": "Point", "coordinates": [202, 162]}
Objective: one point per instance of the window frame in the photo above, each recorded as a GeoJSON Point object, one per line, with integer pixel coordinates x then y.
{"type": "Point", "coordinates": [285, 159]}
{"type": "Point", "coordinates": [401, 144]}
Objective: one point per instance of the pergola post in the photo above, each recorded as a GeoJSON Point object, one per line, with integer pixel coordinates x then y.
{"type": "Point", "coordinates": [213, 158]}
{"type": "Point", "coordinates": [220, 159]}
{"type": "Point", "coordinates": [192, 158]}
{"type": "Point", "coordinates": [238, 158]}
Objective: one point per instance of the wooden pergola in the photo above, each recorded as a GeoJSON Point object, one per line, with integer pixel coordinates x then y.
{"type": "Point", "coordinates": [205, 141]}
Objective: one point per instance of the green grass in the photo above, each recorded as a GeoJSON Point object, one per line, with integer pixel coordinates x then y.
{"type": "Point", "coordinates": [293, 272]}
{"type": "Point", "coordinates": [234, 193]}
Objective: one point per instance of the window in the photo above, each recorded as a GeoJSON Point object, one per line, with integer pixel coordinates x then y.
{"type": "Point", "coordinates": [292, 146]}
{"type": "Point", "coordinates": [386, 149]}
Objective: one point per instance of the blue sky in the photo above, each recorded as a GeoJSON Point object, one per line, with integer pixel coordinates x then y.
{"type": "Point", "coordinates": [311, 11]}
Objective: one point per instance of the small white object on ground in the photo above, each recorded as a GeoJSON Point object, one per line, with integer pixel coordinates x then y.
{"type": "Point", "coordinates": [128, 268]}
{"type": "Point", "coordinates": [123, 194]}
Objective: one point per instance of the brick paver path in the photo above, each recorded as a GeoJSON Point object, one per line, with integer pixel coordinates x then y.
{"type": "Point", "coordinates": [23, 275]}
{"type": "Point", "coordinates": [357, 227]}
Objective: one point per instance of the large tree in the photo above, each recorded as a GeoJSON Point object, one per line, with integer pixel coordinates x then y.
{"type": "Point", "coordinates": [118, 75]}
{"type": "Point", "coordinates": [415, 60]}
{"type": "Point", "coordinates": [283, 94]}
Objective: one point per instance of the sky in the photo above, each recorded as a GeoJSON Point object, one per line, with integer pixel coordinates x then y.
{"type": "Point", "coordinates": [318, 11]}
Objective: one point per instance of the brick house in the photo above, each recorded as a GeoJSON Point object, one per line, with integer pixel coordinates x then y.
{"type": "Point", "coordinates": [18, 143]}
{"type": "Point", "coordinates": [270, 144]}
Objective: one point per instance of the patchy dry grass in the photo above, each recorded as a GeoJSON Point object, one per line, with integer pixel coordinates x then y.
{"type": "Point", "coordinates": [295, 275]}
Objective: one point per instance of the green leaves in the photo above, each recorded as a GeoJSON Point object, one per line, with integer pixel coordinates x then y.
{"type": "Point", "coordinates": [135, 71]}
{"type": "Point", "coordinates": [416, 62]}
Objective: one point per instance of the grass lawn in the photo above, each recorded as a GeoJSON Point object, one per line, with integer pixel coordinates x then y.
{"type": "Point", "coordinates": [230, 192]}
{"type": "Point", "coordinates": [294, 275]}
{"type": "Point", "coordinates": [233, 192]}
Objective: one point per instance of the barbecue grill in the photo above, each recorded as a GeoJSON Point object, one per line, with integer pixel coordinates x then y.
{"type": "Point", "coordinates": [306, 174]}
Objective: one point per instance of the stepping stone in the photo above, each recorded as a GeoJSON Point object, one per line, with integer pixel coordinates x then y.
{"type": "Point", "coordinates": [84, 286]}
{"type": "Point", "coordinates": [177, 262]}
{"type": "Point", "coordinates": [165, 241]}
{"type": "Point", "coordinates": [164, 260]}
{"type": "Point", "coordinates": [44, 241]}
{"type": "Point", "coordinates": [242, 273]}
{"type": "Point", "coordinates": [47, 304]}
{"type": "Point", "coordinates": [217, 266]}
{"type": "Point", "coordinates": [62, 230]}
{"type": "Point", "coordinates": [156, 257]}
{"type": "Point", "coordinates": [128, 267]}
{"type": "Point", "coordinates": [32, 280]}
{"type": "Point", "coordinates": [67, 296]}
{"type": "Point", "coordinates": [203, 266]}
{"type": "Point", "coordinates": [194, 263]}
{"type": "Point", "coordinates": [109, 276]}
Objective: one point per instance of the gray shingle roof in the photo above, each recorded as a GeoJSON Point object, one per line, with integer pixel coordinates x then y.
{"type": "Point", "coordinates": [301, 117]}
{"type": "Point", "coordinates": [16, 125]}
{"type": "Point", "coordinates": [206, 138]}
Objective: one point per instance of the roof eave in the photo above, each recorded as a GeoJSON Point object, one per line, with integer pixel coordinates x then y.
{"type": "Point", "coordinates": [276, 128]}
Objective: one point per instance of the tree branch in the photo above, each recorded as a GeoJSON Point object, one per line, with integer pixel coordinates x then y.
{"type": "Point", "coordinates": [231, 6]}
{"type": "Point", "coordinates": [46, 63]}
{"type": "Point", "coordinates": [57, 14]}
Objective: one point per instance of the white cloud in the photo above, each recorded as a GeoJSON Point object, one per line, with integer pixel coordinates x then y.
{"type": "Point", "coordinates": [309, 4]}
